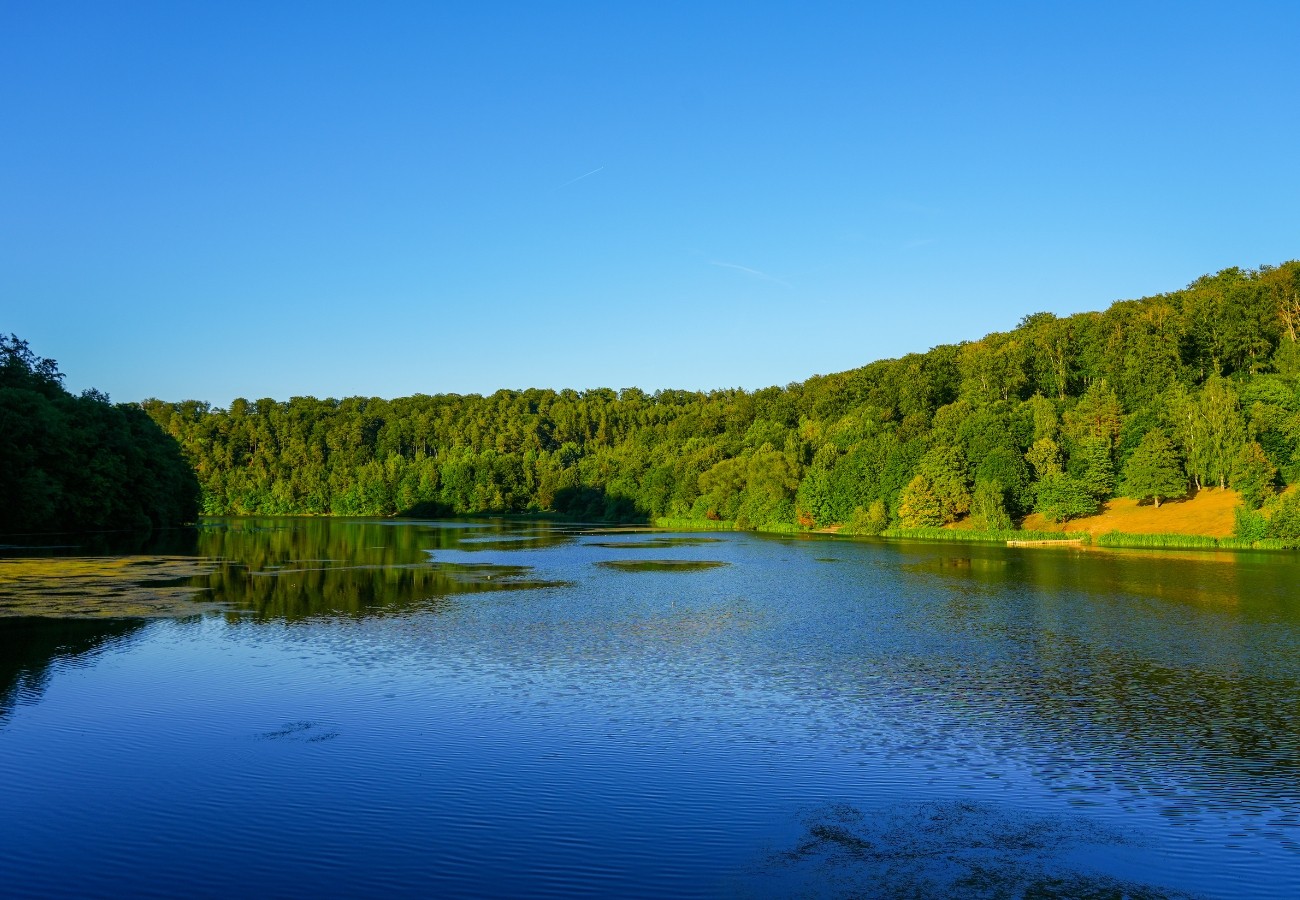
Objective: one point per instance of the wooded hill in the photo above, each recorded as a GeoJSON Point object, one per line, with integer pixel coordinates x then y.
{"type": "Point", "coordinates": [1150, 398]}
{"type": "Point", "coordinates": [79, 463]}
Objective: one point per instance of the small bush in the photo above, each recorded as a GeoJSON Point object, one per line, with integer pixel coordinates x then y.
{"type": "Point", "coordinates": [868, 521]}
{"type": "Point", "coordinates": [1249, 525]}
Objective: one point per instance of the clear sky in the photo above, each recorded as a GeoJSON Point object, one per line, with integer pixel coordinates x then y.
{"type": "Point", "coordinates": [275, 199]}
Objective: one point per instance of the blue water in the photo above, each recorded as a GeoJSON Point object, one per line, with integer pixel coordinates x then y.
{"type": "Point", "coordinates": [509, 717]}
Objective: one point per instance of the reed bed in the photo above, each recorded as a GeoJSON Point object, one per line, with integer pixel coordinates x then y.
{"type": "Point", "coordinates": [1121, 540]}
{"type": "Point", "coordinates": [695, 524]}
{"type": "Point", "coordinates": [970, 535]}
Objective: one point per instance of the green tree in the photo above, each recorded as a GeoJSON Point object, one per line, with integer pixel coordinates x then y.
{"type": "Point", "coordinates": [872, 520]}
{"type": "Point", "coordinates": [1253, 475]}
{"type": "Point", "coordinates": [1045, 457]}
{"type": "Point", "coordinates": [944, 469]}
{"type": "Point", "coordinates": [988, 507]}
{"type": "Point", "coordinates": [1153, 470]}
{"type": "Point", "coordinates": [1062, 497]}
{"type": "Point", "coordinates": [1096, 469]}
{"type": "Point", "coordinates": [919, 505]}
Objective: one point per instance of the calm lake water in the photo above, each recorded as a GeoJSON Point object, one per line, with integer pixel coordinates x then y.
{"type": "Point", "coordinates": [392, 708]}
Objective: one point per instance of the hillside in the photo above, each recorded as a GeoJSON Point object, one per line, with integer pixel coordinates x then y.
{"type": "Point", "coordinates": [1059, 417]}
{"type": "Point", "coordinates": [1208, 512]}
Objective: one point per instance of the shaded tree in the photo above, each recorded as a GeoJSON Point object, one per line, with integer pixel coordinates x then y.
{"type": "Point", "coordinates": [1153, 470]}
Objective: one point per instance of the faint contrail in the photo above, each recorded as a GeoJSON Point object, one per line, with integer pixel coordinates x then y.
{"type": "Point", "coordinates": [579, 178]}
{"type": "Point", "coordinates": [748, 271]}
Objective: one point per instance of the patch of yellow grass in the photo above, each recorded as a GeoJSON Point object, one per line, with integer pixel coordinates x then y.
{"type": "Point", "coordinates": [1209, 512]}
{"type": "Point", "coordinates": [101, 587]}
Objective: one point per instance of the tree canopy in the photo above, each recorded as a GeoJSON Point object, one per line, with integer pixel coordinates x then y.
{"type": "Point", "coordinates": [79, 463]}
{"type": "Point", "coordinates": [1044, 416]}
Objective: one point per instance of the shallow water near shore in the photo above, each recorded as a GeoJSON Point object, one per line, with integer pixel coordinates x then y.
{"type": "Point", "coordinates": [362, 707]}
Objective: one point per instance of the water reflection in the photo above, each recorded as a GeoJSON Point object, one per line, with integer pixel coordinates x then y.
{"type": "Point", "coordinates": [978, 721]}
{"type": "Point", "coordinates": [30, 647]}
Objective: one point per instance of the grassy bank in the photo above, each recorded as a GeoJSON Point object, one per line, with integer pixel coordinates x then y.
{"type": "Point", "coordinates": [695, 524]}
{"type": "Point", "coordinates": [1120, 540]}
{"type": "Point", "coordinates": [971, 535]}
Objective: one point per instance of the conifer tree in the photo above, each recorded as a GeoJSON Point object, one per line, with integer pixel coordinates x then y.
{"type": "Point", "coordinates": [1153, 470]}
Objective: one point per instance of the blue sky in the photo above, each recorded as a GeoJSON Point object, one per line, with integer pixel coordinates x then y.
{"type": "Point", "coordinates": [274, 199]}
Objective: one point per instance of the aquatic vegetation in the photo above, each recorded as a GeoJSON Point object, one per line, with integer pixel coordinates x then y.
{"type": "Point", "coordinates": [955, 849]}
{"type": "Point", "coordinates": [661, 565]}
{"type": "Point", "coordinates": [1120, 540]}
{"type": "Point", "coordinates": [654, 543]}
{"type": "Point", "coordinates": [970, 534]}
{"type": "Point", "coordinates": [103, 587]}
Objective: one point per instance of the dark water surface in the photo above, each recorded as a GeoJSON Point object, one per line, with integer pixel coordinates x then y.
{"type": "Point", "coordinates": [479, 709]}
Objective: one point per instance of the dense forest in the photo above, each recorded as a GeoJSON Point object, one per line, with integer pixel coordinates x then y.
{"type": "Point", "coordinates": [80, 463]}
{"type": "Point", "coordinates": [1151, 398]}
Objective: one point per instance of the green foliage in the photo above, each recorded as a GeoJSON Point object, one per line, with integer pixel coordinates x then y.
{"type": "Point", "coordinates": [79, 463]}
{"type": "Point", "coordinates": [1047, 411]}
{"type": "Point", "coordinates": [1095, 466]}
{"type": "Point", "coordinates": [868, 521]}
{"type": "Point", "coordinates": [988, 508]}
{"type": "Point", "coordinates": [970, 535]}
{"type": "Point", "coordinates": [1284, 519]}
{"type": "Point", "coordinates": [1249, 525]}
{"type": "Point", "coordinates": [1253, 475]}
{"type": "Point", "coordinates": [919, 505]}
{"type": "Point", "coordinates": [1062, 497]}
{"type": "Point", "coordinates": [943, 473]}
{"type": "Point", "coordinates": [1120, 540]}
{"type": "Point", "coordinates": [1045, 457]}
{"type": "Point", "coordinates": [1153, 470]}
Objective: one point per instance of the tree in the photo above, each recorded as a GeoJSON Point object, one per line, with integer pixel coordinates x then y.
{"type": "Point", "coordinates": [1153, 470]}
{"type": "Point", "coordinates": [1096, 469]}
{"type": "Point", "coordinates": [872, 520]}
{"type": "Point", "coordinates": [919, 505]}
{"type": "Point", "coordinates": [1045, 457]}
{"type": "Point", "coordinates": [988, 510]}
{"type": "Point", "coordinates": [944, 468]}
{"type": "Point", "coordinates": [1253, 475]}
{"type": "Point", "coordinates": [79, 463]}
{"type": "Point", "coordinates": [1223, 430]}
{"type": "Point", "coordinates": [1062, 497]}
{"type": "Point", "coordinates": [1097, 416]}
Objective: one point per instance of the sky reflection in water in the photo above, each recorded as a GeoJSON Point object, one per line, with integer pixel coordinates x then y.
{"type": "Point", "coordinates": [495, 709]}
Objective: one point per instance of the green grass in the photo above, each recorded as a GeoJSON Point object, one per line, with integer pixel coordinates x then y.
{"type": "Point", "coordinates": [694, 524]}
{"type": "Point", "coordinates": [781, 528]}
{"type": "Point", "coordinates": [973, 536]}
{"type": "Point", "coordinates": [1120, 540]}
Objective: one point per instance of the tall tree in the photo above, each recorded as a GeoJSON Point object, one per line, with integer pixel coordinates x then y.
{"type": "Point", "coordinates": [1153, 470]}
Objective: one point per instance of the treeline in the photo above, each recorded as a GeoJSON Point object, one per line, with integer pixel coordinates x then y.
{"type": "Point", "coordinates": [79, 463]}
{"type": "Point", "coordinates": [1151, 398]}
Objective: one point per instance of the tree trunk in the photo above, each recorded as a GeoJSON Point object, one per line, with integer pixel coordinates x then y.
{"type": "Point", "coordinates": [1157, 501]}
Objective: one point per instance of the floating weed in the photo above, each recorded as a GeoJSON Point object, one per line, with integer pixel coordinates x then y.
{"type": "Point", "coordinates": [654, 543]}
{"type": "Point", "coordinates": [103, 587]}
{"type": "Point", "coordinates": [305, 732]}
{"type": "Point", "coordinates": [956, 849]}
{"type": "Point", "coordinates": [661, 565]}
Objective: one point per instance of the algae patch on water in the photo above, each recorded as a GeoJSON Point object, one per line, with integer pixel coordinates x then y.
{"type": "Point", "coordinates": [88, 587]}
{"type": "Point", "coordinates": [653, 543]}
{"type": "Point", "coordinates": [661, 565]}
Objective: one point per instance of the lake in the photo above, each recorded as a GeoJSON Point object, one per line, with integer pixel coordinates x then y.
{"type": "Point", "coordinates": [494, 708]}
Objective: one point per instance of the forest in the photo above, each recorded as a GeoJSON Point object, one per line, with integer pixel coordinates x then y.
{"type": "Point", "coordinates": [1151, 399]}
{"type": "Point", "coordinates": [80, 463]}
